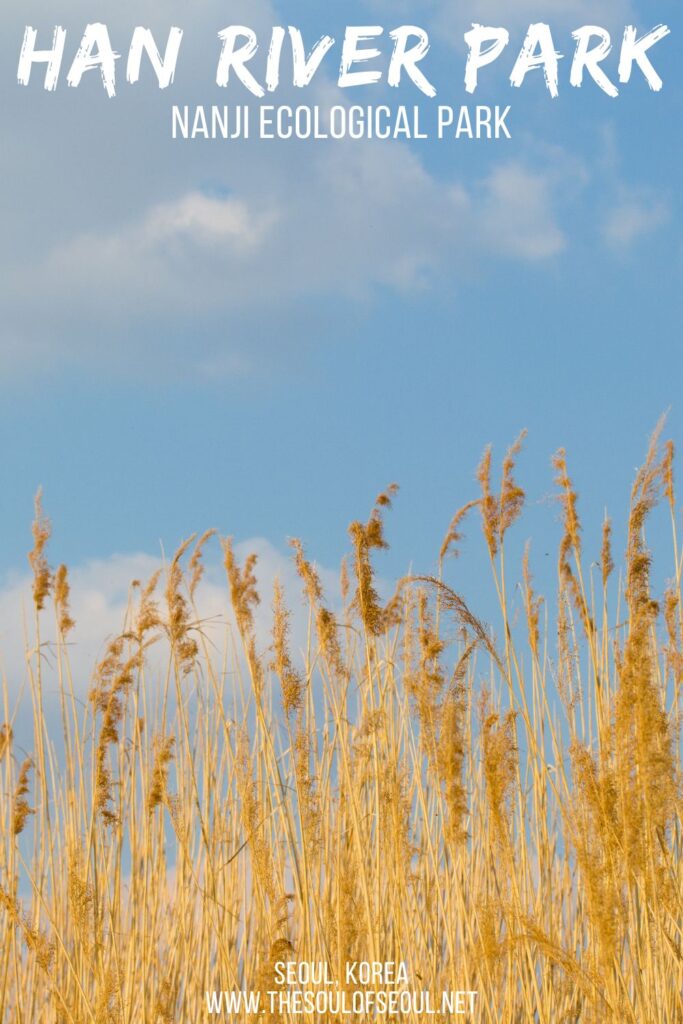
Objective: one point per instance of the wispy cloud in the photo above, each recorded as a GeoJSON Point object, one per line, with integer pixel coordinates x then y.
{"type": "Point", "coordinates": [343, 220]}
{"type": "Point", "coordinates": [451, 20]}
{"type": "Point", "coordinates": [636, 212]}
{"type": "Point", "coordinates": [518, 216]}
{"type": "Point", "coordinates": [202, 234]}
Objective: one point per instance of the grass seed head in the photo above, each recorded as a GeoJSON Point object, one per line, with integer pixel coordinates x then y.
{"type": "Point", "coordinates": [42, 577]}
{"type": "Point", "coordinates": [62, 593]}
{"type": "Point", "coordinates": [163, 756]}
{"type": "Point", "coordinates": [290, 680]}
{"type": "Point", "coordinates": [21, 808]}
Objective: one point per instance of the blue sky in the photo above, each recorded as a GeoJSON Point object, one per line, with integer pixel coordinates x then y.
{"type": "Point", "coordinates": [363, 313]}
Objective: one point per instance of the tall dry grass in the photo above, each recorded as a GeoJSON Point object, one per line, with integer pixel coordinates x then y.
{"type": "Point", "coordinates": [500, 811]}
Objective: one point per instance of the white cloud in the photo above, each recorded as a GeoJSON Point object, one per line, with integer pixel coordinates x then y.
{"type": "Point", "coordinates": [636, 212]}
{"type": "Point", "coordinates": [518, 217]}
{"type": "Point", "coordinates": [348, 219]}
{"type": "Point", "coordinates": [565, 13]}
{"type": "Point", "coordinates": [100, 599]}
{"type": "Point", "coordinates": [124, 241]}
{"type": "Point", "coordinates": [452, 20]}
{"type": "Point", "coordinates": [205, 219]}
{"type": "Point", "coordinates": [172, 256]}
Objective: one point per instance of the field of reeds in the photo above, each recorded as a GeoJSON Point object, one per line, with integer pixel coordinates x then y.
{"type": "Point", "coordinates": [498, 805]}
